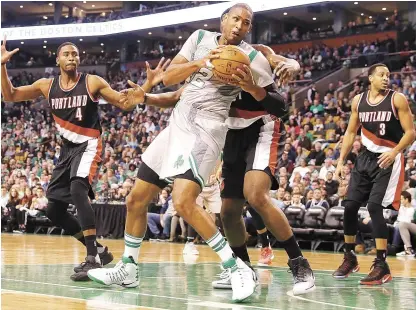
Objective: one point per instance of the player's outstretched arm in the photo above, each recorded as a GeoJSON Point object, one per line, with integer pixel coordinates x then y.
{"type": "Point", "coordinates": [155, 76]}
{"type": "Point", "coordinates": [163, 100]}
{"type": "Point", "coordinates": [349, 136]}
{"type": "Point", "coordinates": [285, 68]}
{"type": "Point", "coordinates": [23, 93]}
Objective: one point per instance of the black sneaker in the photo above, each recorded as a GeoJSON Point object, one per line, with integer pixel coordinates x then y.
{"type": "Point", "coordinates": [349, 265]}
{"type": "Point", "coordinates": [379, 274]}
{"type": "Point", "coordinates": [106, 257]}
{"type": "Point", "coordinates": [303, 278]}
{"type": "Point", "coordinates": [90, 263]}
{"type": "Point", "coordinates": [163, 238]}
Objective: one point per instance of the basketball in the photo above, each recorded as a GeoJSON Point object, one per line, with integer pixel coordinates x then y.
{"type": "Point", "coordinates": [231, 58]}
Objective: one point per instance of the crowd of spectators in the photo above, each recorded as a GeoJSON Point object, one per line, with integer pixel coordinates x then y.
{"type": "Point", "coordinates": [31, 147]}
{"type": "Point", "coordinates": [360, 25]}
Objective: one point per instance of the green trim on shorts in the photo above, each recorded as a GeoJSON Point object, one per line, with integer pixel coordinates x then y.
{"type": "Point", "coordinates": [252, 55]}
{"type": "Point", "coordinates": [195, 171]}
{"type": "Point", "coordinates": [201, 34]}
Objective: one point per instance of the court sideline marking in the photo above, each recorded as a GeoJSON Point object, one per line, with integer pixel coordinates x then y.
{"type": "Point", "coordinates": [102, 303]}
{"type": "Point", "coordinates": [189, 300]}
{"type": "Point", "coordinates": [290, 294]}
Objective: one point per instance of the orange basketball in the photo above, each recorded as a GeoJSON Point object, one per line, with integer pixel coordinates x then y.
{"type": "Point", "coordinates": [231, 58]}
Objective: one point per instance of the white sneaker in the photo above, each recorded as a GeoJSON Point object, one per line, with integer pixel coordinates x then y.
{"type": "Point", "coordinates": [243, 279]}
{"type": "Point", "coordinates": [125, 273]}
{"type": "Point", "coordinates": [190, 248]}
{"type": "Point", "coordinates": [225, 280]}
{"type": "Point", "coordinates": [408, 252]}
{"type": "Point", "coordinates": [303, 278]}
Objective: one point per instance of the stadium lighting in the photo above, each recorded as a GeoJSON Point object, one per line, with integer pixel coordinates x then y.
{"type": "Point", "coordinates": [84, 2]}
{"type": "Point", "coordinates": [93, 5]}
{"type": "Point", "coordinates": [138, 41]}
{"type": "Point", "coordinates": [118, 51]}
{"type": "Point", "coordinates": [387, 18]}
{"type": "Point", "coordinates": [81, 39]}
{"type": "Point", "coordinates": [370, 17]}
{"type": "Point", "coordinates": [150, 33]}
{"type": "Point", "coordinates": [102, 51]}
{"type": "Point", "coordinates": [75, 8]}
{"type": "Point", "coordinates": [22, 42]}
{"type": "Point", "coordinates": [50, 4]}
{"type": "Point", "coordinates": [102, 44]}
{"type": "Point", "coordinates": [180, 37]}
{"type": "Point", "coordinates": [45, 17]}
{"type": "Point", "coordinates": [362, 14]}
{"type": "Point", "coordinates": [44, 46]}
{"type": "Point", "coordinates": [330, 11]}
{"type": "Point", "coordinates": [314, 18]}
{"type": "Point", "coordinates": [83, 52]}
{"type": "Point", "coordinates": [190, 15]}
{"type": "Point", "coordinates": [66, 16]}
{"type": "Point", "coordinates": [285, 13]}
{"type": "Point", "coordinates": [21, 6]}
{"type": "Point", "coordinates": [355, 2]}
{"type": "Point", "coordinates": [45, 41]}
{"type": "Point", "coordinates": [54, 53]}
{"type": "Point", "coordinates": [383, 9]}
{"type": "Point", "coordinates": [205, 25]}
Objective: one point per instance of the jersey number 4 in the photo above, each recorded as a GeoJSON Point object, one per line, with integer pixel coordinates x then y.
{"type": "Point", "coordinates": [78, 114]}
{"type": "Point", "coordinates": [382, 129]}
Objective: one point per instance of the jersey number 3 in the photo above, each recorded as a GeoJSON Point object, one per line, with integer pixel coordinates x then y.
{"type": "Point", "coordinates": [78, 114]}
{"type": "Point", "coordinates": [382, 129]}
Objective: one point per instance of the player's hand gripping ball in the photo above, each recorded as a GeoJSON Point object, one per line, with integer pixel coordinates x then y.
{"type": "Point", "coordinates": [230, 59]}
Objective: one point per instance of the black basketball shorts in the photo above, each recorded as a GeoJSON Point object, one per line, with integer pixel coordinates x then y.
{"type": "Point", "coordinates": [257, 147]}
{"type": "Point", "coordinates": [76, 160]}
{"type": "Point", "coordinates": [370, 183]}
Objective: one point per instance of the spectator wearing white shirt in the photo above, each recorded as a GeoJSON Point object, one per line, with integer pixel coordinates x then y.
{"type": "Point", "coordinates": [407, 228]}
{"type": "Point", "coordinates": [326, 168]}
{"type": "Point", "coordinates": [4, 197]}
{"type": "Point", "coordinates": [302, 170]}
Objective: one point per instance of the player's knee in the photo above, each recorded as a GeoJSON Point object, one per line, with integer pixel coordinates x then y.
{"type": "Point", "coordinates": [79, 191]}
{"type": "Point", "coordinates": [258, 200]}
{"type": "Point", "coordinates": [230, 213]}
{"type": "Point", "coordinates": [351, 210]}
{"type": "Point", "coordinates": [374, 209]}
{"type": "Point", "coordinates": [136, 202]}
{"type": "Point", "coordinates": [55, 210]}
{"type": "Point", "coordinates": [183, 204]}
{"type": "Point", "coordinates": [52, 211]}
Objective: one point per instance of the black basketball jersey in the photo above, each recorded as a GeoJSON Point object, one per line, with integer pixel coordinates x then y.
{"type": "Point", "coordinates": [380, 126]}
{"type": "Point", "coordinates": [244, 111]}
{"type": "Point", "coordinates": [75, 110]}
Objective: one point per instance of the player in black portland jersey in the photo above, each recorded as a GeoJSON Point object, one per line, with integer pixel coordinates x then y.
{"type": "Point", "coordinates": [73, 98]}
{"type": "Point", "coordinates": [378, 175]}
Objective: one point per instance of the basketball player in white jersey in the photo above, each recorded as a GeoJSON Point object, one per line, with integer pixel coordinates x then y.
{"type": "Point", "coordinates": [189, 147]}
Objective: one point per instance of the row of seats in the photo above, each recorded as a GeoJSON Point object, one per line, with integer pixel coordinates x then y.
{"type": "Point", "coordinates": [318, 225]}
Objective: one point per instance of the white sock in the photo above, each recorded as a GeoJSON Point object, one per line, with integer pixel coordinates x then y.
{"type": "Point", "coordinates": [132, 246]}
{"type": "Point", "coordinates": [220, 246]}
{"type": "Point", "coordinates": [97, 259]}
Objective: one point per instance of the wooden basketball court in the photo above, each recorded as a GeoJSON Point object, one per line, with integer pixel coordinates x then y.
{"type": "Point", "coordinates": [36, 269]}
